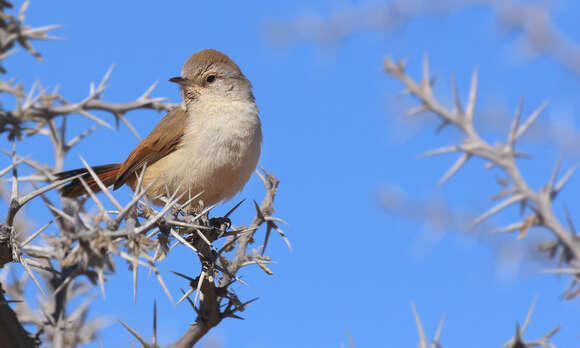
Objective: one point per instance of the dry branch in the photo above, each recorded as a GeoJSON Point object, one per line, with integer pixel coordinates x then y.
{"type": "Point", "coordinates": [537, 205]}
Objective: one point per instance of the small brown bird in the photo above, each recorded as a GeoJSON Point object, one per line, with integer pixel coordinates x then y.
{"type": "Point", "coordinates": [210, 143]}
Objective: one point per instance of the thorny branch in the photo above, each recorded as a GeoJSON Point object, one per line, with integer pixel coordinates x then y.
{"type": "Point", "coordinates": [212, 286]}
{"type": "Point", "coordinates": [39, 107]}
{"type": "Point", "coordinates": [535, 204]}
{"type": "Point", "coordinates": [13, 30]}
{"type": "Point", "coordinates": [85, 246]}
{"type": "Point", "coordinates": [517, 341]}
{"type": "Point", "coordinates": [37, 111]}
{"type": "Point", "coordinates": [80, 249]}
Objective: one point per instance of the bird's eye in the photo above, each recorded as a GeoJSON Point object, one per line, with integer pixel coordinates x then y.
{"type": "Point", "coordinates": [210, 78]}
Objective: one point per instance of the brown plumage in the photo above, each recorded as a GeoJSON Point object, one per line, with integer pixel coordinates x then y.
{"type": "Point", "coordinates": [163, 140]}
{"type": "Point", "coordinates": [203, 60]}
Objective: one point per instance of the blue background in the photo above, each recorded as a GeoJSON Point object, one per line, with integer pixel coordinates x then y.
{"type": "Point", "coordinates": [334, 134]}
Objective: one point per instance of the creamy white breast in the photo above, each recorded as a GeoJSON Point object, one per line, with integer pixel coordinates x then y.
{"type": "Point", "coordinates": [218, 154]}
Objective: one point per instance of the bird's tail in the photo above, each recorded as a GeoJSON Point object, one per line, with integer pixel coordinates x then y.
{"type": "Point", "coordinates": [107, 174]}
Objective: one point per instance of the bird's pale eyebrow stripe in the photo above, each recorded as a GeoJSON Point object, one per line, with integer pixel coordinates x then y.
{"type": "Point", "coordinates": [207, 68]}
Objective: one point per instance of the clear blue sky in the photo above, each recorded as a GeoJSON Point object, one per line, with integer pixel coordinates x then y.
{"type": "Point", "coordinates": [332, 133]}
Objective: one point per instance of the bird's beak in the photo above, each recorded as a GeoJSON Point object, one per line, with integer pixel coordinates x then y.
{"type": "Point", "coordinates": [179, 80]}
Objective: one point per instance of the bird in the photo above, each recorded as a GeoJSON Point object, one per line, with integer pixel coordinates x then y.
{"type": "Point", "coordinates": [208, 145]}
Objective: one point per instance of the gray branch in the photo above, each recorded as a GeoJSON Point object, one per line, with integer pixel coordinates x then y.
{"type": "Point", "coordinates": [41, 107]}
{"type": "Point", "coordinates": [537, 204]}
{"type": "Point", "coordinates": [13, 31]}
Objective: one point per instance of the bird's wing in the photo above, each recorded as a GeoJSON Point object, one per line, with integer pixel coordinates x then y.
{"type": "Point", "coordinates": [163, 140]}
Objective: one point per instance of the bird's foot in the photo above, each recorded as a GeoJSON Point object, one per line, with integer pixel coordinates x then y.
{"type": "Point", "coordinates": [220, 223]}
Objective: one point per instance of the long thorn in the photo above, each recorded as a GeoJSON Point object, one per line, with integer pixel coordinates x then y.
{"type": "Point", "coordinates": [495, 209]}
{"type": "Point", "coordinates": [198, 289]}
{"type": "Point", "coordinates": [515, 124]}
{"type": "Point", "coordinates": [35, 234]}
{"type": "Point", "coordinates": [528, 123]}
{"type": "Point", "coordinates": [234, 208]}
{"type": "Point", "coordinates": [470, 108]}
{"type": "Point", "coordinates": [101, 185]}
{"type": "Point", "coordinates": [458, 107]}
{"type": "Point", "coordinates": [185, 295]}
{"type": "Point", "coordinates": [560, 184]}
{"type": "Point", "coordinates": [421, 332]}
{"type": "Point", "coordinates": [134, 333]}
{"type": "Point", "coordinates": [438, 332]}
{"type": "Point", "coordinates": [454, 168]}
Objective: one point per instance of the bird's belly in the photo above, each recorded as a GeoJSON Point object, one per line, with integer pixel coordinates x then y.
{"type": "Point", "coordinates": [216, 168]}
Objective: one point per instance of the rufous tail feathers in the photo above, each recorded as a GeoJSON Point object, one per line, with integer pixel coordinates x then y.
{"type": "Point", "coordinates": [107, 174]}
